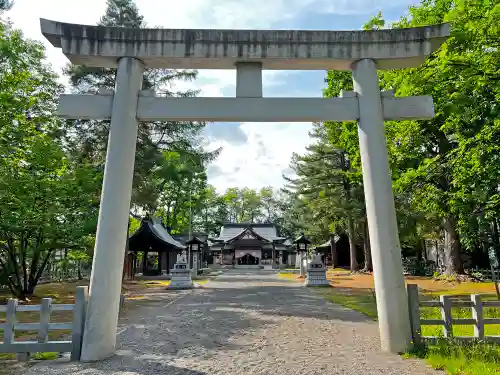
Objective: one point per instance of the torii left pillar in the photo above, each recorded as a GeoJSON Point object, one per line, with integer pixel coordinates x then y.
{"type": "Point", "coordinates": [99, 340]}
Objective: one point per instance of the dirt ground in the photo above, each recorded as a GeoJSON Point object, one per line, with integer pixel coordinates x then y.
{"type": "Point", "coordinates": [243, 322]}
{"type": "Point", "coordinates": [343, 279]}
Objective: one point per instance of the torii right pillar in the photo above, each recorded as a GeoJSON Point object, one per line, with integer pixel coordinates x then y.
{"type": "Point", "coordinates": [392, 305]}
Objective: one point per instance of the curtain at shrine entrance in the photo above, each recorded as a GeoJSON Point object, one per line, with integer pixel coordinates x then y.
{"type": "Point", "coordinates": [254, 253]}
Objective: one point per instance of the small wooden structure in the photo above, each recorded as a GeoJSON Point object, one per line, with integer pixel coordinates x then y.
{"type": "Point", "coordinates": [335, 251]}
{"type": "Point", "coordinates": [152, 238]}
{"type": "Point", "coordinates": [203, 247]}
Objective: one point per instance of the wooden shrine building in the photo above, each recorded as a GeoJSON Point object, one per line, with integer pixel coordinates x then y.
{"type": "Point", "coordinates": [251, 246]}
{"type": "Point", "coordinates": [158, 248]}
{"type": "Point", "coordinates": [336, 253]}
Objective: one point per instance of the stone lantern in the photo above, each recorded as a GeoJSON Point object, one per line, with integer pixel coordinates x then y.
{"type": "Point", "coordinates": [181, 276]}
{"type": "Point", "coordinates": [316, 273]}
{"type": "Point", "coordinates": [302, 243]}
{"type": "Point", "coordinates": [279, 257]}
{"type": "Point", "coordinates": [195, 247]}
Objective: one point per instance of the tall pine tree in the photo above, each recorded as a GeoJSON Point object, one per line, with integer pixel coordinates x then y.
{"type": "Point", "coordinates": [87, 139]}
{"type": "Point", "coordinates": [6, 5]}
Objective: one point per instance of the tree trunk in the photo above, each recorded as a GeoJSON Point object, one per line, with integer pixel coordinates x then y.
{"type": "Point", "coordinates": [367, 249]}
{"type": "Point", "coordinates": [495, 236]}
{"type": "Point", "coordinates": [125, 256]}
{"type": "Point", "coordinates": [333, 249]}
{"type": "Point", "coordinates": [452, 247]}
{"type": "Point", "coordinates": [425, 254]}
{"type": "Point", "coordinates": [352, 245]}
{"type": "Point", "coordinates": [419, 251]}
{"type": "Point", "coordinates": [22, 293]}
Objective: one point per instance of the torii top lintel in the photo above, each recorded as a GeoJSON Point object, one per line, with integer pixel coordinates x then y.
{"type": "Point", "coordinates": [101, 46]}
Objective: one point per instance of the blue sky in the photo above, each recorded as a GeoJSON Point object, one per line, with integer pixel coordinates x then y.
{"type": "Point", "coordinates": [254, 154]}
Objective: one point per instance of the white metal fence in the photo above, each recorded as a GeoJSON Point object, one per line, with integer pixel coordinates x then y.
{"type": "Point", "coordinates": [43, 344]}
{"type": "Point", "coordinates": [445, 304]}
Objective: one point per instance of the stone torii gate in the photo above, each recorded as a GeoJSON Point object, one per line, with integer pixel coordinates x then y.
{"type": "Point", "coordinates": [249, 52]}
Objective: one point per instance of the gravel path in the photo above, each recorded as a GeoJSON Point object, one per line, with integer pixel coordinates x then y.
{"type": "Point", "coordinates": [244, 322]}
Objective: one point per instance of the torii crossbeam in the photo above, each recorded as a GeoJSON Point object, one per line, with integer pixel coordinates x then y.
{"type": "Point", "coordinates": [244, 109]}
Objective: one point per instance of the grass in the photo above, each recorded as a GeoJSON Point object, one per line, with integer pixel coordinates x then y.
{"type": "Point", "coordinates": [288, 276]}
{"type": "Point", "coordinates": [44, 356]}
{"type": "Point", "coordinates": [162, 283]}
{"type": "Point", "coordinates": [155, 283]}
{"type": "Point", "coordinates": [458, 358]}
{"type": "Point", "coordinates": [357, 292]}
{"type": "Point", "coordinates": [359, 300]}
{"type": "Point", "coordinates": [59, 292]}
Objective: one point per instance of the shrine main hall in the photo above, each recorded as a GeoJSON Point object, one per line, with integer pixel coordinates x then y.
{"type": "Point", "coordinates": [252, 246]}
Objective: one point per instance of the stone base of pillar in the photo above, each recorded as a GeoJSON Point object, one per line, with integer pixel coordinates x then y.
{"type": "Point", "coordinates": [316, 273]}
{"type": "Point", "coordinates": [181, 277]}
{"type": "Point", "coordinates": [316, 279]}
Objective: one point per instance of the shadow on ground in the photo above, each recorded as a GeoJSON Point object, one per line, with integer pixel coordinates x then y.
{"type": "Point", "coordinates": [129, 363]}
{"type": "Point", "coordinates": [223, 317]}
{"type": "Point", "coordinates": [286, 300]}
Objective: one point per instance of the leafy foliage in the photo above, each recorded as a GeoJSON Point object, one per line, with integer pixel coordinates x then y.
{"type": "Point", "coordinates": [46, 201]}
{"type": "Point", "coordinates": [444, 170]}
{"type": "Point", "coordinates": [6, 5]}
{"type": "Point", "coordinates": [211, 209]}
{"type": "Point", "coordinates": [160, 144]}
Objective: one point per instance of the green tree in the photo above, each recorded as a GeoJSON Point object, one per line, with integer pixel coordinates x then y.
{"type": "Point", "coordinates": [46, 201]}
{"type": "Point", "coordinates": [328, 184]}
{"type": "Point", "coordinates": [88, 139]}
{"type": "Point", "coordinates": [213, 212]}
{"type": "Point", "coordinates": [232, 199]}
{"type": "Point", "coordinates": [447, 165]}
{"type": "Point", "coordinates": [79, 258]}
{"type": "Point", "coordinates": [6, 5]}
{"type": "Point", "coordinates": [251, 205]}
{"type": "Point", "coordinates": [182, 186]}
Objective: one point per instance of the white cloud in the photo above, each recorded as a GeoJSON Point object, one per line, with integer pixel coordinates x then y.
{"type": "Point", "coordinates": [254, 14]}
{"type": "Point", "coordinates": [229, 14]}
{"type": "Point", "coordinates": [261, 160]}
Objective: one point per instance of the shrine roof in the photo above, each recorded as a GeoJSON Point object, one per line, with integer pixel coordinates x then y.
{"type": "Point", "coordinates": [283, 247]}
{"type": "Point", "coordinates": [184, 237]}
{"type": "Point", "coordinates": [150, 229]}
{"type": "Point", "coordinates": [266, 232]}
{"type": "Point", "coordinates": [329, 242]}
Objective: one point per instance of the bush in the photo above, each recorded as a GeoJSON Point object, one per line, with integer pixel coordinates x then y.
{"type": "Point", "coordinates": [415, 267]}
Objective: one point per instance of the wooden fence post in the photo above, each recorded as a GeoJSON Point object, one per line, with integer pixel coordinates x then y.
{"type": "Point", "coordinates": [495, 281]}
{"type": "Point", "coordinates": [45, 311]}
{"type": "Point", "coordinates": [446, 315]}
{"type": "Point", "coordinates": [477, 315]}
{"type": "Point", "coordinates": [80, 308]}
{"type": "Point", "coordinates": [9, 332]}
{"type": "Point", "coordinates": [414, 308]}
{"type": "Point", "coordinates": [43, 331]}
{"type": "Point", "coordinates": [10, 321]}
